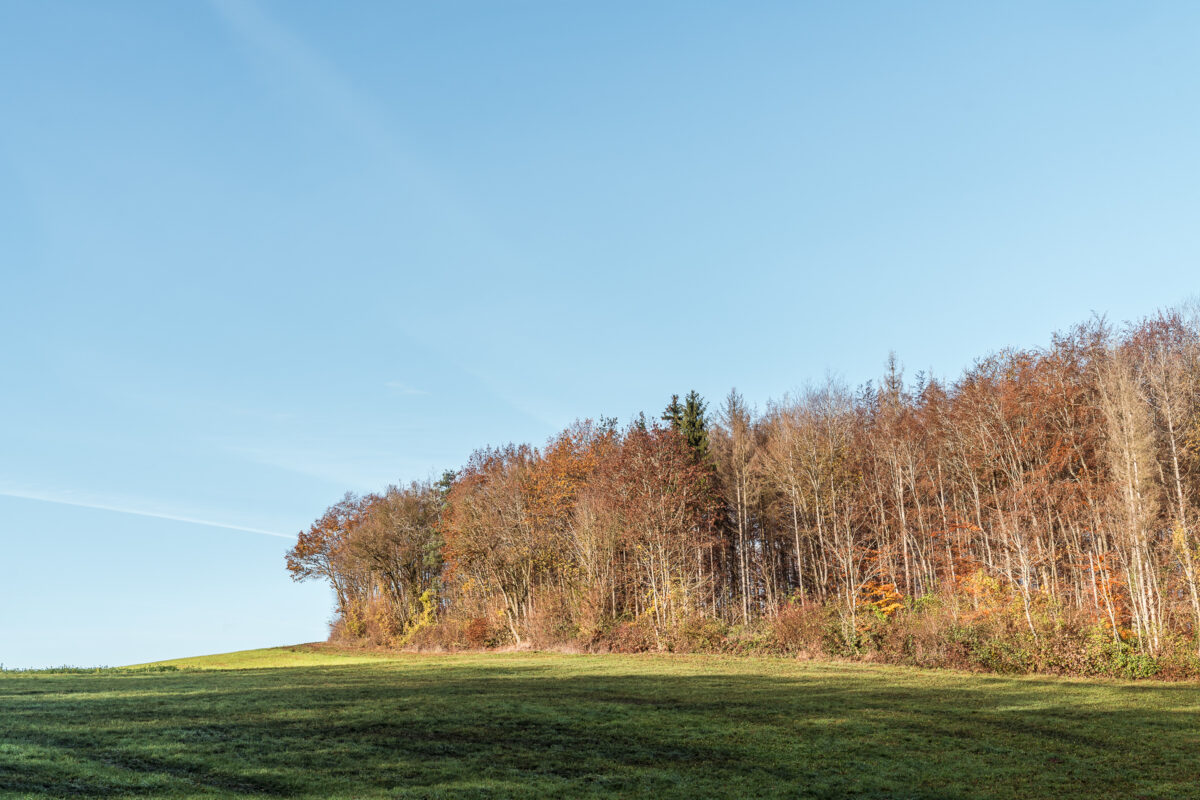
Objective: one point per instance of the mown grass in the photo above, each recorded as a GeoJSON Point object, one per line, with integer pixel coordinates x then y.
{"type": "Point", "coordinates": [301, 722]}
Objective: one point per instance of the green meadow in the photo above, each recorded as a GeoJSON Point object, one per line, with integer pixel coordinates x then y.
{"type": "Point", "coordinates": [310, 722]}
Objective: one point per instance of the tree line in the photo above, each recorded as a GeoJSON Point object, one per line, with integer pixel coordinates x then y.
{"type": "Point", "coordinates": [1048, 498]}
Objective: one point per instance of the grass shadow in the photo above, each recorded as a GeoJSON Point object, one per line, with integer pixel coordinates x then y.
{"type": "Point", "coordinates": [593, 727]}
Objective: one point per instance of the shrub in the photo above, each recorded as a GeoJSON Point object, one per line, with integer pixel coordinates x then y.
{"type": "Point", "coordinates": [478, 632]}
{"type": "Point", "coordinates": [460, 633]}
{"type": "Point", "coordinates": [1117, 658]}
{"type": "Point", "coordinates": [755, 638]}
{"type": "Point", "coordinates": [550, 624]}
{"type": "Point", "coordinates": [700, 634]}
{"type": "Point", "coordinates": [373, 623]}
{"type": "Point", "coordinates": [803, 629]}
{"type": "Point", "coordinates": [1179, 660]}
{"type": "Point", "coordinates": [629, 636]}
{"type": "Point", "coordinates": [931, 631]}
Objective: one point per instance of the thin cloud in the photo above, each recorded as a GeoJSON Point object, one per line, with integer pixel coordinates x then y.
{"type": "Point", "coordinates": [58, 499]}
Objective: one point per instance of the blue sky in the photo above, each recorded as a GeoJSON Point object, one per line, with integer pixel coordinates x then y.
{"type": "Point", "coordinates": [253, 255]}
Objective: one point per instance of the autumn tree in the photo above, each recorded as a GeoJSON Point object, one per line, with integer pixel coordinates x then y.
{"type": "Point", "coordinates": [396, 541]}
{"type": "Point", "coordinates": [321, 552]}
{"type": "Point", "coordinates": [1041, 488]}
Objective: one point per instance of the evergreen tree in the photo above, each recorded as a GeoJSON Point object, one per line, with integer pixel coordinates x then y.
{"type": "Point", "coordinates": [673, 415]}
{"type": "Point", "coordinates": [694, 425]}
{"type": "Point", "coordinates": [444, 484]}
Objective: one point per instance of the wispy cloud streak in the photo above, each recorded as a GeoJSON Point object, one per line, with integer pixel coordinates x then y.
{"type": "Point", "coordinates": [58, 499]}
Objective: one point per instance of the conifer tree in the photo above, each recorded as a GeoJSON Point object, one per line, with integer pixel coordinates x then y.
{"type": "Point", "coordinates": [673, 415]}
{"type": "Point", "coordinates": [694, 424]}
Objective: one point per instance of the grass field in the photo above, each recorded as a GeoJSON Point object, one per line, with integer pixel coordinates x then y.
{"type": "Point", "coordinates": [304, 722]}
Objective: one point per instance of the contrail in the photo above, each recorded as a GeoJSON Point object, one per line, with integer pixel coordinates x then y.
{"type": "Point", "coordinates": [137, 512]}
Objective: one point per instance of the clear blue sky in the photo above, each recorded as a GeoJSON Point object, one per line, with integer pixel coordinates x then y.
{"type": "Point", "coordinates": [253, 255]}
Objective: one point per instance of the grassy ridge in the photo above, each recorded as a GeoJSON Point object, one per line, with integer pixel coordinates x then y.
{"type": "Point", "coordinates": [299, 722]}
{"type": "Point", "coordinates": [303, 655]}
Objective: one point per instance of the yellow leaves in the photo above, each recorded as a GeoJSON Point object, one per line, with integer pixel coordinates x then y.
{"type": "Point", "coordinates": [883, 598]}
{"type": "Point", "coordinates": [984, 592]}
{"type": "Point", "coordinates": [1183, 543]}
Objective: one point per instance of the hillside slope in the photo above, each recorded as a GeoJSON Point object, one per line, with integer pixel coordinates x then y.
{"type": "Point", "coordinates": [308, 722]}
